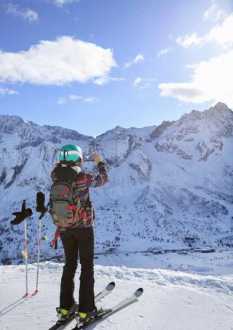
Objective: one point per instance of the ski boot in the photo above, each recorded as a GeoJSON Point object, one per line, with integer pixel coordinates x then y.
{"type": "Point", "coordinates": [64, 314]}
{"type": "Point", "coordinates": [63, 318]}
{"type": "Point", "coordinates": [86, 317]}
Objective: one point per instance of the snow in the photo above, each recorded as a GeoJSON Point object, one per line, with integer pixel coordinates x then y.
{"type": "Point", "coordinates": [166, 183]}
{"type": "Point", "coordinates": [181, 292]}
{"type": "Point", "coordinates": [168, 186]}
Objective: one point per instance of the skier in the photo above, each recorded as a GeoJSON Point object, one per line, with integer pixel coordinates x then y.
{"type": "Point", "coordinates": [72, 212]}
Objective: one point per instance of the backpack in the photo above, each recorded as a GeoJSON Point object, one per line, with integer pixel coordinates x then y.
{"type": "Point", "coordinates": [63, 204]}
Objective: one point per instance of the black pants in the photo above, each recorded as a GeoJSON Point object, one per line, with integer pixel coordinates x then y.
{"type": "Point", "coordinates": [78, 241]}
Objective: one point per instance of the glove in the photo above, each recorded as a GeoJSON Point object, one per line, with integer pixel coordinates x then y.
{"type": "Point", "coordinates": [21, 216]}
{"type": "Point", "coordinates": [97, 158]}
{"type": "Point", "coordinates": [40, 207]}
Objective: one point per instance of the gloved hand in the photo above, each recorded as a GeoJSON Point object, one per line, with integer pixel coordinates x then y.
{"type": "Point", "coordinates": [97, 158]}
{"type": "Point", "coordinates": [40, 207]}
{"type": "Point", "coordinates": [21, 216]}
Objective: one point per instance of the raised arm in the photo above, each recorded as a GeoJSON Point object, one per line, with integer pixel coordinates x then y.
{"type": "Point", "coordinates": [102, 177]}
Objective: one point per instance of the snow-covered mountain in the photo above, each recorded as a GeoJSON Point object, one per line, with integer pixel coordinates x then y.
{"type": "Point", "coordinates": [170, 186]}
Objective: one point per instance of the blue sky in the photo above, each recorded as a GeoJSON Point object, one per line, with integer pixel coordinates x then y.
{"type": "Point", "coordinates": [91, 65]}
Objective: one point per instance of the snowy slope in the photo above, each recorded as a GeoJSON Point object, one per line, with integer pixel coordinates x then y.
{"type": "Point", "coordinates": [172, 300]}
{"type": "Point", "coordinates": [170, 186]}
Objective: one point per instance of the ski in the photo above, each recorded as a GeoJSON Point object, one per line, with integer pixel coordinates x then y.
{"type": "Point", "coordinates": [98, 297]}
{"type": "Point", "coordinates": [103, 314]}
{"type": "Point", "coordinates": [105, 292]}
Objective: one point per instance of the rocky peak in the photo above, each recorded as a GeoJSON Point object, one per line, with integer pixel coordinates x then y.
{"type": "Point", "coordinates": [158, 131]}
{"type": "Point", "coordinates": [219, 112]}
{"type": "Point", "coordinates": [33, 134]}
{"type": "Point", "coordinates": [10, 124]}
{"type": "Point", "coordinates": [220, 107]}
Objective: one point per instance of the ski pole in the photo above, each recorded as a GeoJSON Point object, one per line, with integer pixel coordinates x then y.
{"type": "Point", "coordinates": [20, 216]}
{"type": "Point", "coordinates": [25, 255]}
{"type": "Point", "coordinates": [38, 256]}
{"type": "Point", "coordinates": [40, 207]}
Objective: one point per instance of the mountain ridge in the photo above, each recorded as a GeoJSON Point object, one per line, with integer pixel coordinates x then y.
{"type": "Point", "coordinates": [166, 182]}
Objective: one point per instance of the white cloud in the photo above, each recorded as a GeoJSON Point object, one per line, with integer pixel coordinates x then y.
{"type": "Point", "coordinates": [212, 80]}
{"type": "Point", "coordinates": [186, 92]}
{"type": "Point", "coordinates": [221, 34]}
{"type": "Point", "coordinates": [61, 3]}
{"type": "Point", "coordinates": [164, 52]}
{"type": "Point", "coordinates": [31, 15]}
{"type": "Point", "coordinates": [76, 98]}
{"type": "Point", "coordinates": [189, 40]}
{"type": "Point", "coordinates": [137, 82]}
{"type": "Point", "coordinates": [138, 59]}
{"type": "Point", "coordinates": [143, 83]}
{"type": "Point", "coordinates": [25, 13]}
{"type": "Point", "coordinates": [106, 79]}
{"type": "Point", "coordinates": [214, 13]}
{"type": "Point", "coordinates": [58, 62]}
{"type": "Point", "coordinates": [8, 91]}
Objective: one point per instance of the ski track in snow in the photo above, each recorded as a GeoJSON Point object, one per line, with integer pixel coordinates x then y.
{"type": "Point", "coordinates": [172, 299]}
